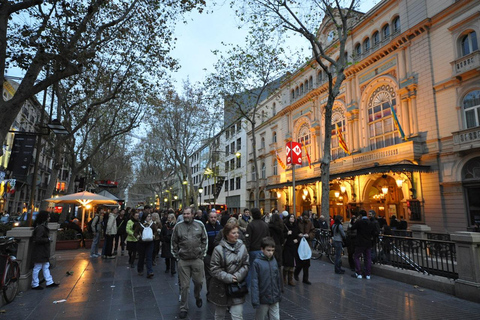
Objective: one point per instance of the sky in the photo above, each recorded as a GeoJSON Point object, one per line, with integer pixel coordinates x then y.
{"type": "Point", "coordinates": [205, 32]}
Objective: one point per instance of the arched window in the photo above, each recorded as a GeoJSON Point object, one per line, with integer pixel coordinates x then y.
{"type": "Point", "coordinates": [264, 171]}
{"type": "Point", "coordinates": [471, 179]}
{"type": "Point", "coordinates": [292, 94]}
{"type": "Point", "coordinates": [381, 128]}
{"type": "Point", "coordinates": [386, 31]}
{"type": "Point", "coordinates": [306, 86]}
{"type": "Point", "coordinates": [311, 82]}
{"type": "Point", "coordinates": [469, 43]}
{"type": "Point", "coordinates": [366, 45]}
{"type": "Point", "coordinates": [376, 38]}
{"type": "Point", "coordinates": [297, 93]}
{"type": "Point", "coordinates": [275, 167]}
{"type": "Point", "coordinates": [274, 137]}
{"type": "Point", "coordinates": [302, 90]}
{"type": "Point", "coordinates": [471, 108]}
{"type": "Point", "coordinates": [396, 25]}
{"type": "Point", "coordinates": [358, 50]}
{"type": "Point", "coordinates": [262, 143]}
{"type": "Point", "coordinates": [254, 176]}
{"type": "Point", "coordinates": [305, 139]}
{"type": "Point", "coordinates": [338, 121]}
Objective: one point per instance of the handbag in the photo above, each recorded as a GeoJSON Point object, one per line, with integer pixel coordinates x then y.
{"type": "Point", "coordinates": [304, 251]}
{"type": "Point", "coordinates": [234, 289]}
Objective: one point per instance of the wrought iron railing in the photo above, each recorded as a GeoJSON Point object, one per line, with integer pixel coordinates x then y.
{"type": "Point", "coordinates": [428, 256]}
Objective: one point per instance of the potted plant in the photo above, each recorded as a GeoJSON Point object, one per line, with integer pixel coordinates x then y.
{"type": "Point", "coordinates": [67, 240]}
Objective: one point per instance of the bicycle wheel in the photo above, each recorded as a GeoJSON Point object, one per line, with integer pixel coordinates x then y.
{"type": "Point", "coordinates": [330, 252]}
{"type": "Point", "coordinates": [316, 250]}
{"type": "Point", "coordinates": [10, 280]}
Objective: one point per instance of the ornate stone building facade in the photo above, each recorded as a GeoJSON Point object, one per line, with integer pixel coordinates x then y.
{"type": "Point", "coordinates": [416, 63]}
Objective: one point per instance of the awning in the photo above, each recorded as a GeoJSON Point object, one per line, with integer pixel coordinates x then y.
{"type": "Point", "coordinates": [397, 168]}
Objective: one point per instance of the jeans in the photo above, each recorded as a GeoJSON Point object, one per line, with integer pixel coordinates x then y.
{"type": "Point", "coordinates": [338, 255]}
{"type": "Point", "coordinates": [95, 241]}
{"type": "Point", "coordinates": [367, 258]}
{"type": "Point", "coordinates": [109, 244]}
{"type": "Point", "coordinates": [46, 273]}
{"type": "Point", "coordinates": [145, 252]}
{"type": "Point", "coordinates": [119, 239]}
{"type": "Point", "coordinates": [236, 311]}
{"type": "Point", "coordinates": [190, 269]}
{"type": "Point", "coordinates": [273, 311]}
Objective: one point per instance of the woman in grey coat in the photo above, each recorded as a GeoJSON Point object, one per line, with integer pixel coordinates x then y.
{"type": "Point", "coordinates": [229, 264]}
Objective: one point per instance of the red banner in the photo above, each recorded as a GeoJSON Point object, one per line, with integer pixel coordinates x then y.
{"type": "Point", "coordinates": [294, 153]}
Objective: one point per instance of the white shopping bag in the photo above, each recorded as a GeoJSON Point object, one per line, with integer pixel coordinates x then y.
{"type": "Point", "coordinates": [304, 251]}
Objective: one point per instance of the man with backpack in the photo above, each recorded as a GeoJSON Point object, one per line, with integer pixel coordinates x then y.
{"type": "Point", "coordinates": [95, 226]}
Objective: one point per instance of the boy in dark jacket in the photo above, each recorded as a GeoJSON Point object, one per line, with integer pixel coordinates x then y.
{"type": "Point", "coordinates": [266, 288]}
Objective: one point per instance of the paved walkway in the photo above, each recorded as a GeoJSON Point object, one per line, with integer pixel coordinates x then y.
{"type": "Point", "coordinates": [108, 289]}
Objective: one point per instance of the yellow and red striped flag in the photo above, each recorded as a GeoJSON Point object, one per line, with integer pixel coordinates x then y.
{"type": "Point", "coordinates": [280, 162]}
{"type": "Point", "coordinates": [308, 156]}
{"type": "Point", "coordinates": [341, 142]}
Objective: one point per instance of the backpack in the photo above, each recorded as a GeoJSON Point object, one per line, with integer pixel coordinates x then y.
{"type": "Point", "coordinates": [89, 225]}
{"type": "Point", "coordinates": [147, 233]}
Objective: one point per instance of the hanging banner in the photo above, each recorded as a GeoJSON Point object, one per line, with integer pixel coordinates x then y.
{"type": "Point", "coordinates": [294, 153]}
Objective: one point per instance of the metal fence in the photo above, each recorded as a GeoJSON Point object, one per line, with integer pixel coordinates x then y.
{"type": "Point", "coordinates": [428, 256]}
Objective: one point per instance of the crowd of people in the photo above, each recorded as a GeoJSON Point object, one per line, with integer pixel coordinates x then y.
{"type": "Point", "coordinates": [234, 253]}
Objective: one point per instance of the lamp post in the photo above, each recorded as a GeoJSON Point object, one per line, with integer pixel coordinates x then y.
{"type": "Point", "coordinates": [200, 191]}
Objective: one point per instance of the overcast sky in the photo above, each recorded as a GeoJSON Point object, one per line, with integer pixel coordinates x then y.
{"type": "Point", "coordinates": [205, 32]}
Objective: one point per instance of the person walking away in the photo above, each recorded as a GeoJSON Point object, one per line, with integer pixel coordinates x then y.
{"type": "Point", "coordinates": [307, 231]}
{"type": "Point", "coordinates": [132, 239]}
{"type": "Point", "coordinates": [257, 229]}
{"type": "Point", "coordinates": [166, 238]}
{"type": "Point", "coordinates": [290, 249]}
{"type": "Point", "coordinates": [213, 228]}
{"type": "Point", "coordinates": [266, 284]}
{"type": "Point", "coordinates": [363, 246]}
{"type": "Point", "coordinates": [145, 233]}
{"type": "Point", "coordinates": [97, 232]}
{"type": "Point", "coordinates": [121, 233]}
{"type": "Point", "coordinates": [41, 252]}
{"type": "Point", "coordinates": [189, 247]}
{"type": "Point", "coordinates": [276, 229]}
{"type": "Point", "coordinates": [339, 237]}
{"type": "Point", "coordinates": [110, 233]}
{"type": "Point", "coordinates": [229, 264]}
{"type": "Point", "coordinates": [156, 239]}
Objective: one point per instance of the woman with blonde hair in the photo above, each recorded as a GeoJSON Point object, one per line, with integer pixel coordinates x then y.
{"type": "Point", "coordinates": [156, 240]}
{"type": "Point", "coordinates": [229, 264]}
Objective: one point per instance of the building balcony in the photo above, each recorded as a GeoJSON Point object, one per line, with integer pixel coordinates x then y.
{"type": "Point", "coordinates": [467, 63]}
{"type": "Point", "coordinates": [466, 139]}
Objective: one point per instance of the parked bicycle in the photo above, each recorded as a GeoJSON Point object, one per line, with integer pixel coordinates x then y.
{"type": "Point", "coordinates": [322, 244]}
{"type": "Point", "coordinates": [10, 270]}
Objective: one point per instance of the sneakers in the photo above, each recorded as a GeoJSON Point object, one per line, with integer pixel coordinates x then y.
{"type": "Point", "coordinates": [150, 275]}
{"type": "Point", "coordinates": [358, 276]}
{"type": "Point", "coordinates": [94, 255]}
{"type": "Point", "coordinates": [52, 285]}
{"type": "Point", "coordinates": [367, 277]}
{"type": "Point", "coordinates": [111, 257]}
{"type": "Point", "coordinates": [306, 282]}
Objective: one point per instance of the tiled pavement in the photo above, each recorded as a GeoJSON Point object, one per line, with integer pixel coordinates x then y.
{"type": "Point", "coordinates": [108, 289]}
